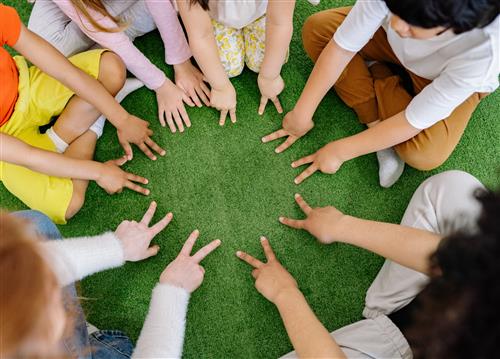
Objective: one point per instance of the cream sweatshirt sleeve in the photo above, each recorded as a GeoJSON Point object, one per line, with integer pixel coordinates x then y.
{"type": "Point", "coordinates": [76, 258]}
{"type": "Point", "coordinates": [163, 333]}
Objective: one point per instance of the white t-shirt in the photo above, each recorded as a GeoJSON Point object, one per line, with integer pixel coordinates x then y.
{"type": "Point", "coordinates": [458, 65]}
{"type": "Point", "coordinates": [237, 13]}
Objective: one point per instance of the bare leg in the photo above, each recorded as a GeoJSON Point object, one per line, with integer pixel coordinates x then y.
{"type": "Point", "coordinates": [79, 115]}
{"type": "Point", "coordinates": [82, 148]}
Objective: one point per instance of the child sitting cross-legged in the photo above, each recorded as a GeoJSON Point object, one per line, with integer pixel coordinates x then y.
{"type": "Point", "coordinates": [50, 171]}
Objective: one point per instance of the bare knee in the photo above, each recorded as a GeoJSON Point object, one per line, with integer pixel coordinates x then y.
{"type": "Point", "coordinates": [76, 203]}
{"type": "Point", "coordinates": [112, 72]}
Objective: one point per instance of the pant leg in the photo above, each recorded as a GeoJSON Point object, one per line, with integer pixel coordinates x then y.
{"type": "Point", "coordinates": [255, 43]}
{"type": "Point", "coordinates": [432, 146]}
{"type": "Point", "coordinates": [442, 204]}
{"type": "Point", "coordinates": [134, 13]}
{"type": "Point", "coordinates": [78, 344]}
{"type": "Point", "coordinates": [230, 44]}
{"type": "Point", "coordinates": [48, 21]}
{"type": "Point", "coordinates": [373, 338]}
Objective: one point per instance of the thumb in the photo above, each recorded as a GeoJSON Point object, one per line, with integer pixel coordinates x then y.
{"type": "Point", "coordinates": [128, 150]}
{"type": "Point", "coordinates": [120, 161]}
{"type": "Point", "coordinates": [152, 251]}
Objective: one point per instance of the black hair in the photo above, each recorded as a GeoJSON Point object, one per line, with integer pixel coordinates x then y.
{"type": "Point", "coordinates": [459, 315]}
{"type": "Point", "coordinates": [202, 3]}
{"type": "Point", "coordinates": [459, 15]}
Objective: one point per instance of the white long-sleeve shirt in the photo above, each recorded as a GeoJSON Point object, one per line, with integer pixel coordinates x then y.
{"type": "Point", "coordinates": [162, 335]}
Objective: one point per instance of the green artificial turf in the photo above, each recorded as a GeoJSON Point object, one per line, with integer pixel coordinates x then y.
{"type": "Point", "coordinates": [227, 184]}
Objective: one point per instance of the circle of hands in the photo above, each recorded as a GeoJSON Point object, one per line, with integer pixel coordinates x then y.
{"type": "Point", "coordinates": [272, 280]}
{"type": "Point", "coordinates": [185, 271]}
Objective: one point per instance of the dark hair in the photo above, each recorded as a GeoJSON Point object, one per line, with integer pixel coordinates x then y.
{"type": "Point", "coordinates": [202, 3]}
{"type": "Point", "coordinates": [459, 15]}
{"type": "Point", "coordinates": [459, 315]}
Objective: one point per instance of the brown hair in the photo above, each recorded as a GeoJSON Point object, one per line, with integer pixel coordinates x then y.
{"type": "Point", "coordinates": [83, 5]}
{"type": "Point", "coordinates": [27, 287]}
{"type": "Point", "coordinates": [202, 3]}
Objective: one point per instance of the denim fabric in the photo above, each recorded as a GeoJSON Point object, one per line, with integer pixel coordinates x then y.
{"type": "Point", "coordinates": [110, 344]}
{"type": "Point", "coordinates": [104, 344]}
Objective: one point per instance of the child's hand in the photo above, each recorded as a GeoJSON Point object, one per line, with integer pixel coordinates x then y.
{"type": "Point", "coordinates": [190, 80]}
{"type": "Point", "coordinates": [113, 179]}
{"type": "Point", "coordinates": [136, 131]}
{"type": "Point", "coordinates": [171, 106]}
{"type": "Point", "coordinates": [294, 127]}
{"type": "Point", "coordinates": [271, 278]}
{"type": "Point", "coordinates": [269, 90]}
{"type": "Point", "coordinates": [185, 270]}
{"type": "Point", "coordinates": [135, 237]}
{"type": "Point", "coordinates": [224, 100]}
{"type": "Point", "coordinates": [326, 160]}
{"type": "Point", "coordinates": [322, 223]}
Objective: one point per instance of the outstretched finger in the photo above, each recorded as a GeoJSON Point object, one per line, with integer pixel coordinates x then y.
{"type": "Point", "coordinates": [205, 251]}
{"type": "Point", "coordinates": [135, 178]}
{"type": "Point", "coordinates": [262, 105]}
{"type": "Point", "coordinates": [254, 262]}
{"type": "Point", "coordinates": [120, 161]}
{"type": "Point", "coordinates": [149, 214]}
{"type": "Point", "coordinates": [194, 96]}
{"type": "Point", "coordinates": [188, 246]}
{"type": "Point", "coordinates": [277, 104]}
{"type": "Point", "coordinates": [232, 114]}
{"type": "Point", "coordinates": [155, 147]}
{"type": "Point", "coordinates": [178, 120]}
{"type": "Point", "coordinates": [170, 122]}
{"type": "Point", "coordinates": [204, 93]}
{"type": "Point", "coordinates": [185, 116]}
{"type": "Point", "coordinates": [303, 161]}
{"type": "Point", "coordinates": [160, 226]}
{"type": "Point", "coordinates": [187, 100]}
{"type": "Point", "coordinates": [268, 251]}
{"type": "Point", "coordinates": [222, 119]}
{"type": "Point", "coordinates": [136, 188]}
{"type": "Point", "coordinates": [288, 142]}
{"type": "Point", "coordinates": [152, 251]}
{"type": "Point", "coordinates": [303, 204]}
{"type": "Point", "coordinates": [147, 151]}
{"type": "Point", "coordinates": [307, 173]}
{"type": "Point", "coordinates": [275, 135]}
{"type": "Point", "coordinates": [161, 117]}
{"type": "Point", "coordinates": [294, 223]}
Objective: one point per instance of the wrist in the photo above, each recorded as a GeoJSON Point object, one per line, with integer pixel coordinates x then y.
{"type": "Point", "coordinates": [286, 295]}
{"type": "Point", "coordinates": [99, 170]}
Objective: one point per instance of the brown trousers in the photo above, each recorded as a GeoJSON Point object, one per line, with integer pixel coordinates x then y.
{"type": "Point", "coordinates": [377, 93]}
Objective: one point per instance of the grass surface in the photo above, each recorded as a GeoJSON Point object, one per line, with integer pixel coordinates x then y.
{"type": "Point", "coordinates": [229, 185]}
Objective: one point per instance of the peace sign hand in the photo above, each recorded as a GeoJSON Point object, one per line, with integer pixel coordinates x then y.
{"type": "Point", "coordinates": [271, 278]}
{"type": "Point", "coordinates": [294, 127]}
{"type": "Point", "coordinates": [323, 223]}
{"type": "Point", "coordinates": [135, 237]}
{"type": "Point", "coordinates": [326, 160]}
{"type": "Point", "coordinates": [185, 271]}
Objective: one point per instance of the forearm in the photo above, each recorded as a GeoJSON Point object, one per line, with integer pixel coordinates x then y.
{"type": "Point", "coordinates": [325, 74]}
{"type": "Point", "coordinates": [407, 246]}
{"type": "Point", "coordinates": [385, 134]}
{"type": "Point", "coordinates": [162, 335]}
{"type": "Point", "coordinates": [15, 151]}
{"type": "Point", "coordinates": [308, 336]}
{"type": "Point", "coordinates": [53, 63]}
{"type": "Point", "coordinates": [74, 259]}
{"type": "Point", "coordinates": [207, 56]}
{"type": "Point", "coordinates": [279, 31]}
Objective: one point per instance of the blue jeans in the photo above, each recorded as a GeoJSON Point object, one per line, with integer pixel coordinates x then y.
{"type": "Point", "coordinates": [103, 344]}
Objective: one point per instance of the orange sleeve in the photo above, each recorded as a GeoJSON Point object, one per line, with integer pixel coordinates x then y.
{"type": "Point", "coordinates": [10, 25]}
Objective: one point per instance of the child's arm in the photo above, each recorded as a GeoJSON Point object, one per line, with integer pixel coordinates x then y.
{"type": "Point", "coordinates": [130, 128]}
{"type": "Point", "coordinates": [326, 72]}
{"type": "Point", "coordinates": [279, 30]}
{"type": "Point", "coordinates": [107, 175]}
{"type": "Point", "coordinates": [385, 134]}
{"type": "Point", "coordinates": [308, 336]}
{"type": "Point", "coordinates": [204, 48]}
{"type": "Point", "coordinates": [410, 247]}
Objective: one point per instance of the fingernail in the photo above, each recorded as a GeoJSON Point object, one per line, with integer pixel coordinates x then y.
{"type": "Point", "coordinates": [153, 203]}
{"type": "Point", "coordinates": [196, 231]}
{"type": "Point", "coordinates": [293, 164]}
{"type": "Point", "coordinates": [296, 181]}
{"type": "Point", "coordinates": [170, 214]}
{"type": "Point", "coordinates": [218, 242]}
{"type": "Point", "coordinates": [154, 158]}
{"type": "Point", "coordinates": [164, 153]}
{"type": "Point", "coordinates": [238, 253]}
{"type": "Point", "coordinates": [277, 150]}
{"type": "Point", "coordinates": [280, 219]}
{"type": "Point", "coordinates": [297, 195]}
{"type": "Point", "coordinates": [146, 181]}
{"type": "Point", "coordinates": [262, 238]}
{"type": "Point", "coordinates": [263, 140]}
